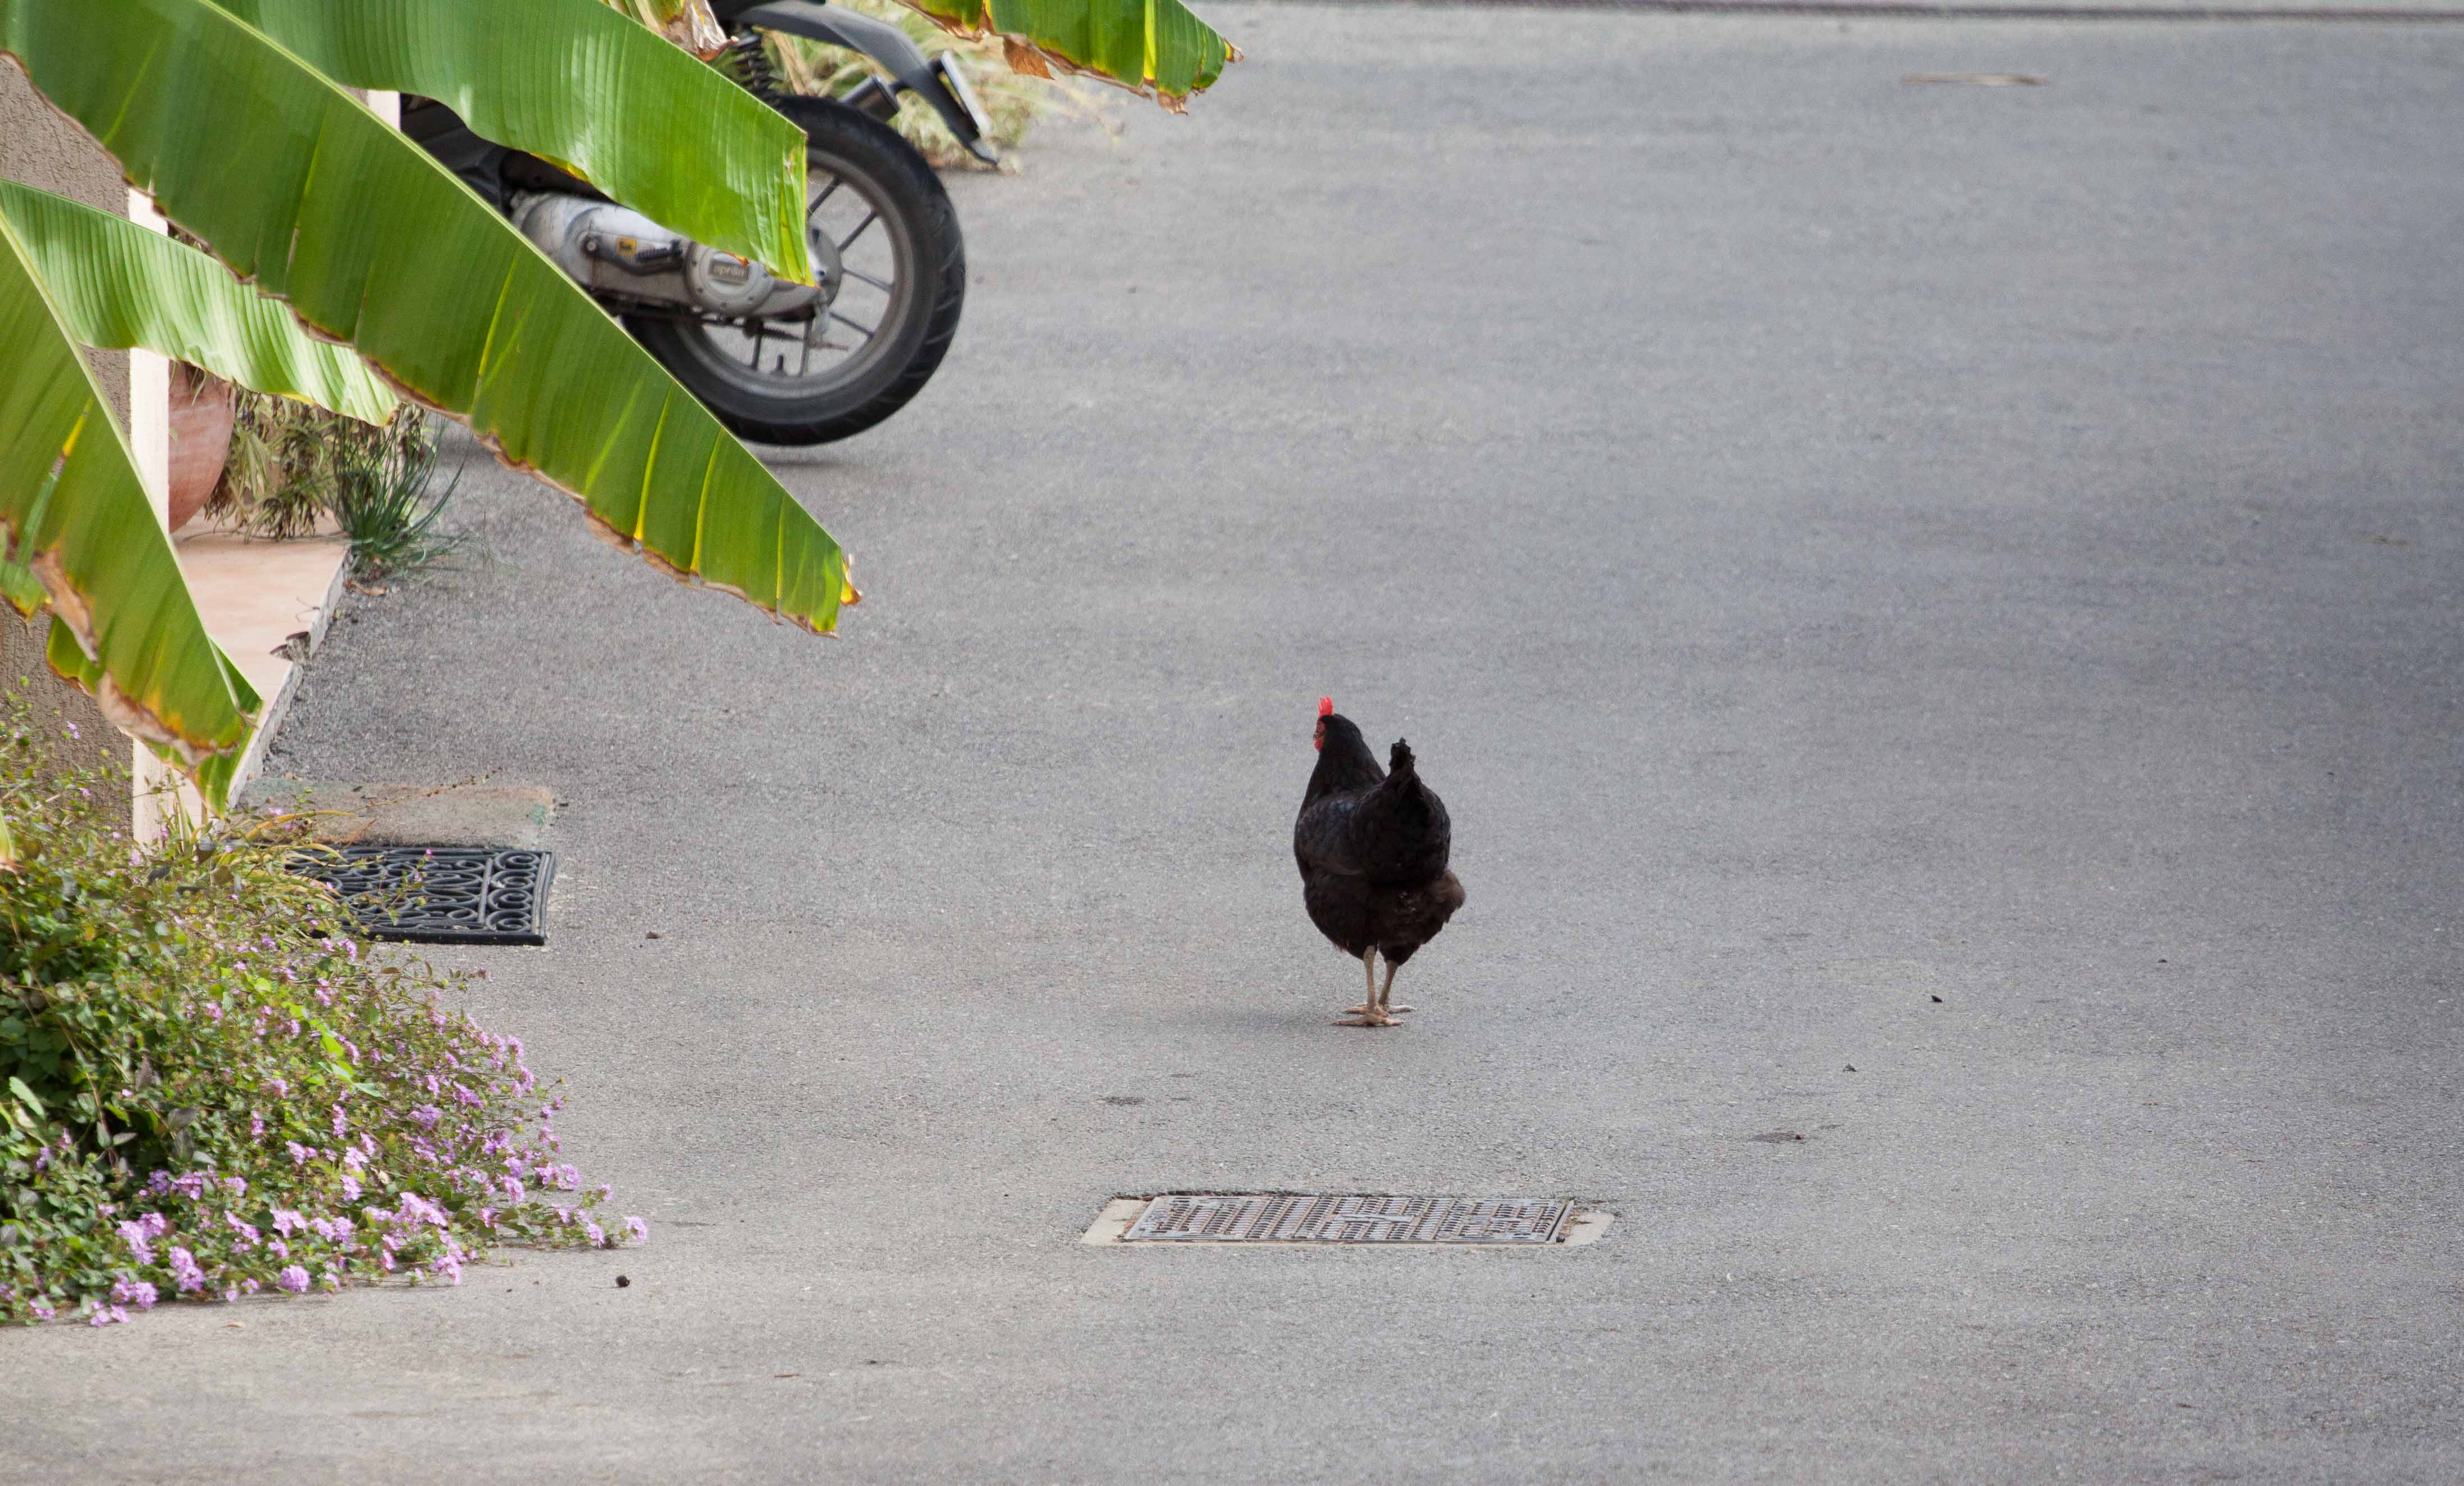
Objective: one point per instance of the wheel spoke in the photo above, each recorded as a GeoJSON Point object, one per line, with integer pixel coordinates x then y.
{"type": "Point", "coordinates": [816, 204]}
{"type": "Point", "coordinates": [869, 218]}
{"type": "Point", "coordinates": [852, 324]}
{"type": "Point", "coordinates": [859, 274]}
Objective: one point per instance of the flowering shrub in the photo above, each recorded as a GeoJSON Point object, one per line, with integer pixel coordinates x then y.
{"type": "Point", "coordinates": [211, 1089]}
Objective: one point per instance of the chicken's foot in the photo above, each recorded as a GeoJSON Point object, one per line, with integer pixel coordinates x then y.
{"type": "Point", "coordinates": [1371, 1013]}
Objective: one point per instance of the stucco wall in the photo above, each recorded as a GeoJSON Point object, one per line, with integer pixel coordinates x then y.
{"type": "Point", "coordinates": [43, 149]}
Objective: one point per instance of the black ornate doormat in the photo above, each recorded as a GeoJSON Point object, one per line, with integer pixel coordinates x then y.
{"type": "Point", "coordinates": [1343, 1218]}
{"type": "Point", "coordinates": [439, 894]}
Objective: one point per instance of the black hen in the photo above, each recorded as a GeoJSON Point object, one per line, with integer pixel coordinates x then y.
{"type": "Point", "coordinates": [1373, 852]}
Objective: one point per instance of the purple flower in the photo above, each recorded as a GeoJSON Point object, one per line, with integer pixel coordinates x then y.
{"type": "Point", "coordinates": [281, 1087]}
{"type": "Point", "coordinates": [41, 1308]}
{"type": "Point", "coordinates": [293, 1278]}
{"type": "Point", "coordinates": [134, 1235]}
{"type": "Point", "coordinates": [350, 1188]}
{"type": "Point", "coordinates": [341, 1123]}
{"type": "Point", "coordinates": [427, 1115]}
{"type": "Point", "coordinates": [638, 1230]}
{"type": "Point", "coordinates": [592, 1232]}
{"type": "Point", "coordinates": [105, 1315]}
{"type": "Point", "coordinates": [185, 1272]}
{"type": "Point", "coordinates": [286, 1221]}
{"type": "Point", "coordinates": [134, 1292]}
{"type": "Point", "coordinates": [298, 1153]}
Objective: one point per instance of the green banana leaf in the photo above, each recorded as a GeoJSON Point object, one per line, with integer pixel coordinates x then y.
{"type": "Point", "coordinates": [76, 514]}
{"type": "Point", "coordinates": [118, 285]}
{"type": "Point", "coordinates": [1152, 47]}
{"type": "Point", "coordinates": [573, 81]}
{"type": "Point", "coordinates": [212, 774]}
{"type": "Point", "coordinates": [288, 180]}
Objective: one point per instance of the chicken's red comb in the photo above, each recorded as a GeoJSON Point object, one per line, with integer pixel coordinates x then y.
{"type": "Point", "coordinates": [1326, 707]}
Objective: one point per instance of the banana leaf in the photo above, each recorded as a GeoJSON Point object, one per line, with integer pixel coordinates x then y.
{"type": "Point", "coordinates": [212, 774]}
{"type": "Point", "coordinates": [294, 185]}
{"type": "Point", "coordinates": [573, 81]}
{"type": "Point", "coordinates": [118, 285]}
{"type": "Point", "coordinates": [1156, 48]}
{"type": "Point", "coordinates": [75, 512]}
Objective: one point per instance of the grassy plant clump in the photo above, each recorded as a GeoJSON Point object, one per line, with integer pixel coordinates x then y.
{"type": "Point", "coordinates": [378, 493]}
{"type": "Point", "coordinates": [209, 1089]}
{"type": "Point", "coordinates": [289, 461]}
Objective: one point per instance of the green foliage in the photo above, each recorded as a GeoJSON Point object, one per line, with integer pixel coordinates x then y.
{"type": "Point", "coordinates": [380, 498]}
{"type": "Point", "coordinates": [208, 1088]}
{"type": "Point", "coordinates": [1012, 101]}
{"type": "Point", "coordinates": [287, 460]}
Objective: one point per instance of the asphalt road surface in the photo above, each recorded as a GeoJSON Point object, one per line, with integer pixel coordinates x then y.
{"type": "Point", "coordinates": [1835, 543]}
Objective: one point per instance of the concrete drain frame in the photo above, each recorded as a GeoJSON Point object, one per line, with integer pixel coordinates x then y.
{"type": "Point", "coordinates": [1322, 1221]}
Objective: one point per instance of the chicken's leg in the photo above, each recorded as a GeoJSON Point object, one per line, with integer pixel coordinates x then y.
{"type": "Point", "coordinates": [1370, 960]}
{"type": "Point", "coordinates": [1369, 995]}
{"type": "Point", "coordinates": [1369, 1014]}
{"type": "Point", "coordinates": [1386, 996]}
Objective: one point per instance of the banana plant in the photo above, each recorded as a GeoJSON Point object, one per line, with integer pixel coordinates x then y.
{"type": "Point", "coordinates": [70, 497]}
{"type": "Point", "coordinates": [1156, 48]}
{"type": "Point", "coordinates": [296, 189]}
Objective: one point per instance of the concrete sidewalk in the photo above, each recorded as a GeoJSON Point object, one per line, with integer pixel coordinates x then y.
{"type": "Point", "coordinates": [1834, 544]}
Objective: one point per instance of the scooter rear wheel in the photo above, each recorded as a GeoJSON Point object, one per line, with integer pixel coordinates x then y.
{"type": "Point", "coordinates": [886, 243]}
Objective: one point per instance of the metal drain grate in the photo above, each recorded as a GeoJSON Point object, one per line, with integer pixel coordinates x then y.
{"type": "Point", "coordinates": [439, 894]}
{"type": "Point", "coordinates": [1299, 1217]}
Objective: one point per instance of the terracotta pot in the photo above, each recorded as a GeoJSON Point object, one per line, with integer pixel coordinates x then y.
{"type": "Point", "coordinates": [202, 410]}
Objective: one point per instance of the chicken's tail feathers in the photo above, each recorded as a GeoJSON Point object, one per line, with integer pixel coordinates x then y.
{"type": "Point", "coordinates": [1399, 759]}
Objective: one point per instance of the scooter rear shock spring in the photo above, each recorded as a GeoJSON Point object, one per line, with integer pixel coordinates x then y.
{"type": "Point", "coordinates": [748, 62]}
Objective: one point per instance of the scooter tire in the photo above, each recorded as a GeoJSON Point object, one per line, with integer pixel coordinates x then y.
{"type": "Point", "coordinates": [842, 140]}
